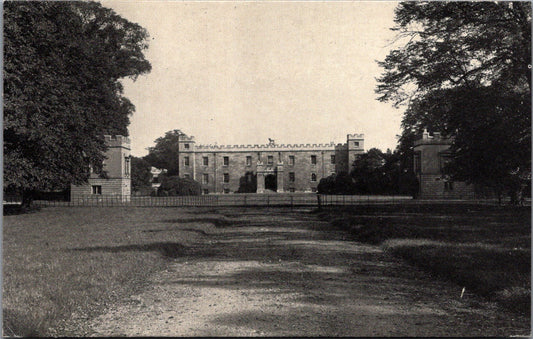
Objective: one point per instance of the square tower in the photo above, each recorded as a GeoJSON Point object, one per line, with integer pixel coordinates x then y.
{"type": "Point", "coordinates": [186, 156]}
{"type": "Point", "coordinates": [355, 144]}
{"type": "Point", "coordinates": [115, 178]}
{"type": "Point", "coordinates": [431, 153]}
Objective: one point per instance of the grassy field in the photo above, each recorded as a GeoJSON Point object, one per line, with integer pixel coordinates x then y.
{"type": "Point", "coordinates": [485, 249]}
{"type": "Point", "coordinates": [69, 263]}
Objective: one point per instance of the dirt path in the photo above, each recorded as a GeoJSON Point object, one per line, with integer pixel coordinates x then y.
{"type": "Point", "coordinates": [288, 274]}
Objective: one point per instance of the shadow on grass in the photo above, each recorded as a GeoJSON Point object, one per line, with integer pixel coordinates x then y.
{"type": "Point", "coordinates": [21, 324]}
{"type": "Point", "coordinates": [18, 209]}
{"type": "Point", "coordinates": [497, 274]}
{"type": "Point", "coordinates": [217, 222]}
{"type": "Point", "coordinates": [170, 250]}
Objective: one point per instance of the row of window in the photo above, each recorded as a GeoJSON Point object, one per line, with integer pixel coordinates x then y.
{"type": "Point", "coordinates": [270, 160]}
{"type": "Point", "coordinates": [97, 189]}
{"type": "Point", "coordinates": [292, 177]}
{"type": "Point", "coordinates": [226, 190]}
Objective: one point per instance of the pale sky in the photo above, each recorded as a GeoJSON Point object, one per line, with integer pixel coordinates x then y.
{"type": "Point", "coordinates": [243, 72]}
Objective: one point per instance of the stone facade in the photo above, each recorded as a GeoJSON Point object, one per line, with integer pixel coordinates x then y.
{"type": "Point", "coordinates": [117, 168]}
{"type": "Point", "coordinates": [431, 154]}
{"type": "Point", "coordinates": [274, 167]}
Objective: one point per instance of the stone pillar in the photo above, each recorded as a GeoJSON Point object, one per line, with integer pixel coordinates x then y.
{"type": "Point", "coordinates": [260, 177]}
{"type": "Point", "coordinates": [280, 177]}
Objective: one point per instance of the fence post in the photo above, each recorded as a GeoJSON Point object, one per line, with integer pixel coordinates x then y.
{"type": "Point", "coordinates": [319, 202]}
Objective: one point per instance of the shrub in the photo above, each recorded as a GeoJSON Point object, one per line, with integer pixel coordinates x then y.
{"type": "Point", "coordinates": [341, 183]}
{"type": "Point", "coordinates": [174, 185]}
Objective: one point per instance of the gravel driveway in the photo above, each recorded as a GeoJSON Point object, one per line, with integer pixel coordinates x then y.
{"type": "Point", "coordinates": [284, 273]}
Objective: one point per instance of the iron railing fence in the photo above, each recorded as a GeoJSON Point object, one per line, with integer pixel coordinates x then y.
{"type": "Point", "coordinates": [247, 199]}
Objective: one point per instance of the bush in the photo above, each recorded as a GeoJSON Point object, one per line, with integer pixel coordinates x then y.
{"type": "Point", "coordinates": [341, 183]}
{"type": "Point", "coordinates": [174, 185]}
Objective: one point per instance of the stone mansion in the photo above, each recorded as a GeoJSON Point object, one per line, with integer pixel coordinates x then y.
{"type": "Point", "coordinates": [269, 167]}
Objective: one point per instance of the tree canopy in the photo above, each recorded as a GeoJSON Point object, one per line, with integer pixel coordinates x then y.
{"type": "Point", "coordinates": [464, 69]}
{"type": "Point", "coordinates": [164, 154]}
{"type": "Point", "coordinates": [141, 176]}
{"type": "Point", "coordinates": [62, 66]}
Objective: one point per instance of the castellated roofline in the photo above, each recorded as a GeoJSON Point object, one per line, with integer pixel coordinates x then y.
{"type": "Point", "coordinates": [265, 146]}
{"type": "Point", "coordinates": [117, 140]}
{"type": "Point", "coordinates": [355, 136]}
{"type": "Point", "coordinates": [436, 138]}
{"type": "Point", "coordinates": [185, 137]}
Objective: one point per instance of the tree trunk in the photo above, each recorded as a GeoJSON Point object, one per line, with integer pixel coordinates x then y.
{"type": "Point", "coordinates": [27, 198]}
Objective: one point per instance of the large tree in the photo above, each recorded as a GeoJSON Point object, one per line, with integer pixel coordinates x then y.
{"type": "Point", "coordinates": [62, 65]}
{"type": "Point", "coordinates": [164, 154]}
{"type": "Point", "coordinates": [141, 176]}
{"type": "Point", "coordinates": [464, 69]}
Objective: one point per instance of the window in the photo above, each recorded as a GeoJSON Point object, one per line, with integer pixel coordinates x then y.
{"type": "Point", "coordinates": [248, 161]}
{"type": "Point", "coordinates": [186, 146]}
{"type": "Point", "coordinates": [291, 160]}
{"type": "Point", "coordinates": [226, 190]}
{"type": "Point", "coordinates": [155, 180]}
{"type": "Point", "coordinates": [417, 166]}
{"type": "Point", "coordinates": [187, 176]}
{"type": "Point", "coordinates": [186, 161]}
{"type": "Point", "coordinates": [313, 176]}
{"type": "Point", "coordinates": [226, 161]}
{"type": "Point", "coordinates": [448, 185]}
{"type": "Point", "coordinates": [206, 191]}
{"type": "Point", "coordinates": [356, 143]}
{"type": "Point", "coordinates": [127, 166]}
{"type": "Point", "coordinates": [313, 159]}
{"type": "Point", "coordinates": [226, 177]}
{"type": "Point", "coordinates": [291, 189]}
{"type": "Point", "coordinates": [332, 159]}
{"type": "Point", "coordinates": [270, 160]}
{"type": "Point", "coordinates": [205, 178]}
{"type": "Point", "coordinates": [97, 189]}
{"type": "Point", "coordinates": [205, 161]}
{"type": "Point", "coordinates": [292, 177]}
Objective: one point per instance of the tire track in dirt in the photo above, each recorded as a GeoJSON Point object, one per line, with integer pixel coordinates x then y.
{"type": "Point", "coordinates": [288, 274]}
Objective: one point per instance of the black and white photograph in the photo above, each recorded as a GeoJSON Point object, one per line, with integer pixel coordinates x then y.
{"type": "Point", "coordinates": [266, 168]}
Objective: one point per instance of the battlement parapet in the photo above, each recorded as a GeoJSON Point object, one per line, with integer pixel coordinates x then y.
{"type": "Point", "coordinates": [185, 137]}
{"type": "Point", "coordinates": [265, 147]}
{"type": "Point", "coordinates": [435, 139]}
{"type": "Point", "coordinates": [355, 136]}
{"type": "Point", "coordinates": [117, 141]}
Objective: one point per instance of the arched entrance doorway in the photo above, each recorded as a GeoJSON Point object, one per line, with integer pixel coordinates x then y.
{"type": "Point", "coordinates": [271, 182]}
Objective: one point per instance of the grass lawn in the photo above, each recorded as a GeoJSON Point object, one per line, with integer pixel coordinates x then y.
{"type": "Point", "coordinates": [69, 263]}
{"type": "Point", "coordinates": [486, 249]}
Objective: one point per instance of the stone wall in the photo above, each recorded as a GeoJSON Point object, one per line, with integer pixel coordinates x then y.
{"type": "Point", "coordinates": [238, 167]}
{"type": "Point", "coordinates": [433, 151]}
{"type": "Point", "coordinates": [109, 187]}
{"type": "Point", "coordinates": [117, 167]}
{"type": "Point", "coordinates": [191, 163]}
{"type": "Point", "coordinates": [433, 186]}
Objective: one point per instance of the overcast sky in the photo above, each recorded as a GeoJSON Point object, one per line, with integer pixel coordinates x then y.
{"type": "Point", "coordinates": [243, 72]}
